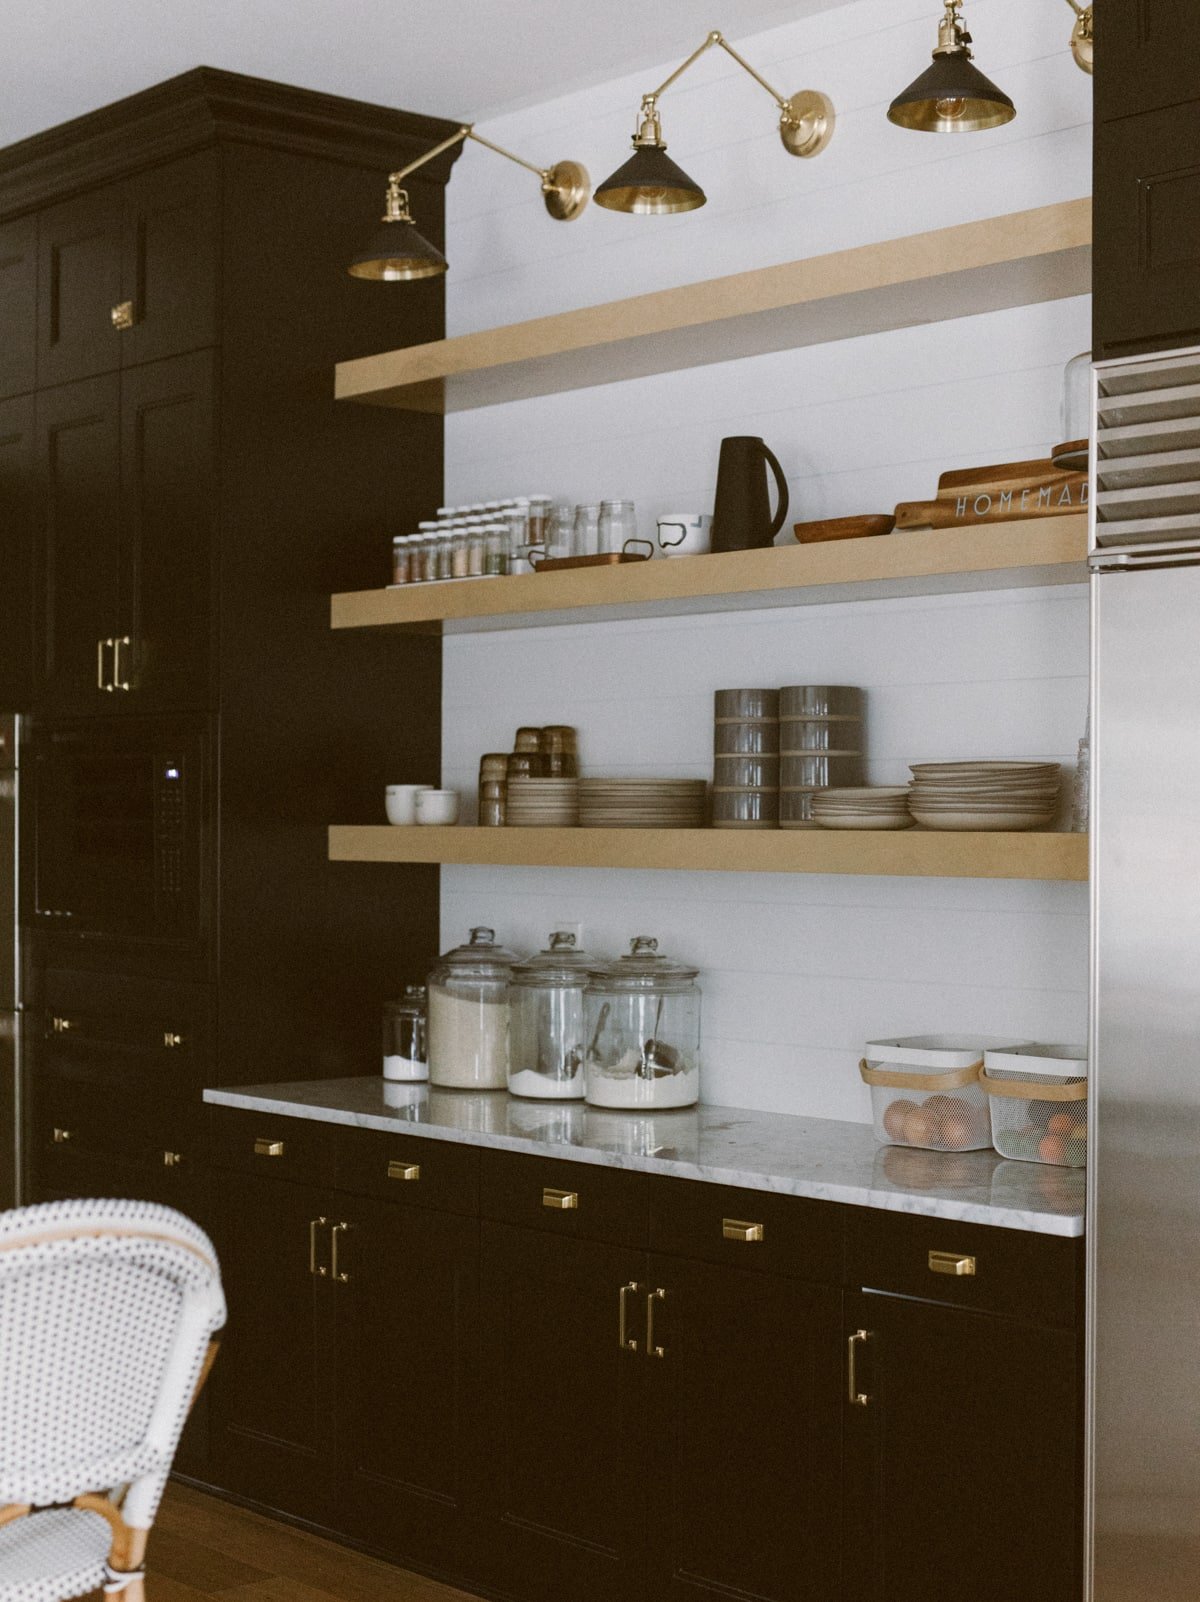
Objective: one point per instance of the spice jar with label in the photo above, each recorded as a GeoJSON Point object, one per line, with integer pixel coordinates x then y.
{"type": "Point", "coordinates": [642, 1025]}
{"type": "Point", "coordinates": [469, 1015]}
{"type": "Point", "coordinates": [545, 1059]}
{"type": "Point", "coordinates": [405, 1056]}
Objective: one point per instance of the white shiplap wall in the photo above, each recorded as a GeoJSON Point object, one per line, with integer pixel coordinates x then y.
{"type": "Point", "coordinates": [797, 972]}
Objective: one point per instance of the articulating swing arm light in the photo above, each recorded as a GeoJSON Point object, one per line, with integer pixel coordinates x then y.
{"type": "Point", "coordinates": [1082, 39]}
{"type": "Point", "coordinates": [952, 95]}
{"type": "Point", "coordinates": [650, 183]}
{"type": "Point", "coordinates": [397, 252]}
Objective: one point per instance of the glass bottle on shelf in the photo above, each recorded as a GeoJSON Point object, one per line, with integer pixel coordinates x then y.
{"type": "Point", "coordinates": [401, 549]}
{"type": "Point", "coordinates": [560, 534]}
{"type": "Point", "coordinates": [617, 526]}
{"type": "Point", "coordinates": [405, 1055]}
{"type": "Point", "coordinates": [587, 530]}
{"type": "Point", "coordinates": [495, 552]}
{"type": "Point", "coordinates": [469, 1015]}
{"type": "Point", "coordinates": [546, 1041]}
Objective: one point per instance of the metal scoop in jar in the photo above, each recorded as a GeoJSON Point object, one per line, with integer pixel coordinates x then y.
{"type": "Point", "coordinates": [658, 1059]}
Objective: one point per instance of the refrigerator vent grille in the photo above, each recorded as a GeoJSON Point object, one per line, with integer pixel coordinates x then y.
{"type": "Point", "coordinates": [1148, 451]}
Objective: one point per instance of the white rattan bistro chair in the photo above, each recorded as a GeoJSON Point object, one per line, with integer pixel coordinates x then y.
{"type": "Point", "coordinates": [107, 1315]}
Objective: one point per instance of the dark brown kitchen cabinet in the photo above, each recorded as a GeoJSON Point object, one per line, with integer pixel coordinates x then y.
{"type": "Point", "coordinates": [16, 553]}
{"type": "Point", "coordinates": [79, 287]}
{"type": "Point", "coordinates": [18, 306]}
{"type": "Point", "coordinates": [1146, 56]}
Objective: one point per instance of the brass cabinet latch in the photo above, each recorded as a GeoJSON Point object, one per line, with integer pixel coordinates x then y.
{"type": "Point", "coordinates": [739, 1229]}
{"type": "Point", "coordinates": [60, 1026]}
{"type": "Point", "coordinates": [562, 1201]}
{"type": "Point", "coordinates": [951, 1263]}
{"type": "Point", "coordinates": [122, 315]}
{"type": "Point", "coordinates": [268, 1148]}
{"type": "Point", "coordinates": [399, 1170]}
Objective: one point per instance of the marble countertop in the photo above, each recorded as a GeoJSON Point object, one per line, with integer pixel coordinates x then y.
{"type": "Point", "coordinates": [816, 1157]}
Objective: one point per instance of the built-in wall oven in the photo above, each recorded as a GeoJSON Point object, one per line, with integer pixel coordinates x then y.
{"type": "Point", "coordinates": [119, 847]}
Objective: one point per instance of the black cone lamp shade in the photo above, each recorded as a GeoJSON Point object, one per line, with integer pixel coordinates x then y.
{"type": "Point", "coordinates": [396, 252]}
{"type": "Point", "coordinates": [952, 96]}
{"type": "Point", "coordinates": [650, 184]}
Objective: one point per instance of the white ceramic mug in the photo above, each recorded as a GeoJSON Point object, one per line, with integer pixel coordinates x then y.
{"type": "Point", "coordinates": [437, 806]}
{"type": "Point", "coordinates": [684, 533]}
{"type": "Point", "coordinates": [402, 802]}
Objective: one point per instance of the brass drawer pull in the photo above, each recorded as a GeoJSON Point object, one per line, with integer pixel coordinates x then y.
{"type": "Point", "coordinates": [171, 1040]}
{"type": "Point", "coordinates": [951, 1263]}
{"type": "Point", "coordinates": [739, 1229]}
{"type": "Point", "coordinates": [652, 1350]}
{"type": "Point", "coordinates": [313, 1225]}
{"type": "Point", "coordinates": [399, 1170]}
{"type": "Point", "coordinates": [624, 1341]}
{"type": "Point", "coordinates": [335, 1273]}
{"type": "Point", "coordinates": [563, 1201]}
{"type": "Point", "coordinates": [172, 1159]}
{"type": "Point", "coordinates": [61, 1026]}
{"type": "Point", "coordinates": [122, 315]}
{"type": "Point", "coordinates": [61, 1136]}
{"type": "Point", "coordinates": [120, 683]}
{"type": "Point", "coordinates": [268, 1148]}
{"type": "Point", "coordinates": [857, 1398]}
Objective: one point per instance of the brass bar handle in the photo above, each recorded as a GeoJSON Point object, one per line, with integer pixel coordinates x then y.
{"type": "Point", "coordinates": [399, 1170]}
{"type": "Point", "coordinates": [268, 1148]}
{"type": "Point", "coordinates": [318, 1272]}
{"type": "Point", "coordinates": [740, 1229]}
{"type": "Point", "coordinates": [335, 1273]}
{"type": "Point", "coordinates": [172, 1159]}
{"type": "Point", "coordinates": [624, 1340]}
{"type": "Point", "coordinates": [101, 682]}
{"type": "Point", "coordinates": [652, 1350]}
{"type": "Point", "coordinates": [61, 1137]}
{"type": "Point", "coordinates": [856, 1397]}
{"type": "Point", "coordinates": [563, 1201]}
{"type": "Point", "coordinates": [120, 683]}
{"type": "Point", "coordinates": [953, 1263]}
{"type": "Point", "coordinates": [171, 1040]}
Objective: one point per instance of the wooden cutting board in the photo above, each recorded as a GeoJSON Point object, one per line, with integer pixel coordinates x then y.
{"type": "Point", "coordinates": [1008, 492]}
{"type": "Point", "coordinates": [845, 528]}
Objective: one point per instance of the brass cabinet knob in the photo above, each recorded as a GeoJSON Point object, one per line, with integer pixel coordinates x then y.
{"type": "Point", "coordinates": [399, 1170]}
{"type": "Point", "coordinates": [268, 1148]}
{"type": "Point", "coordinates": [61, 1136]}
{"type": "Point", "coordinates": [563, 1201]}
{"type": "Point", "coordinates": [953, 1263]}
{"type": "Point", "coordinates": [171, 1040]}
{"type": "Point", "coordinates": [739, 1229]}
{"type": "Point", "coordinates": [122, 315]}
{"type": "Point", "coordinates": [172, 1159]}
{"type": "Point", "coordinates": [61, 1026]}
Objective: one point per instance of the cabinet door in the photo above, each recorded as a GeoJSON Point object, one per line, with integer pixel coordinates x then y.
{"type": "Point", "coordinates": [407, 1460]}
{"type": "Point", "coordinates": [272, 1391]}
{"type": "Point", "coordinates": [16, 552]}
{"type": "Point", "coordinates": [745, 1409]}
{"type": "Point", "coordinates": [79, 286]}
{"type": "Point", "coordinates": [77, 469]}
{"type": "Point", "coordinates": [1146, 52]}
{"type": "Point", "coordinates": [18, 306]}
{"type": "Point", "coordinates": [563, 1418]}
{"type": "Point", "coordinates": [169, 259]}
{"type": "Point", "coordinates": [962, 1465]}
{"type": "Point", "coordinates": [167, 507]}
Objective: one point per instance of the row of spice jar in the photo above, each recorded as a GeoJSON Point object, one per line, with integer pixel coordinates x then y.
{"type": "Point", "coordinates": [488, 539]}
{"type": "Point", "coordinates": [562, 1025]}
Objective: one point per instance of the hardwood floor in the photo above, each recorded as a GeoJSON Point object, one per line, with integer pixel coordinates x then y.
{"type": "Point", "coordinates": [204, 1550]}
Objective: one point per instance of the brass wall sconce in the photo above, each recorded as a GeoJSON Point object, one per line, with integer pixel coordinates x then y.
{"type": "Point", "coordinates": [951, 96]}
{"type": "Point", "coordinates": [397, 252]}
{"type": "Point", "coordinates": [1083, 46]}
{"type": "Point", "coordinates": [650, 183]}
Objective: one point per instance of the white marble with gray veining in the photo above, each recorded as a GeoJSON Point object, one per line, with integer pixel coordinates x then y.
{"type": "Point", "coordinates": [816, 1157]}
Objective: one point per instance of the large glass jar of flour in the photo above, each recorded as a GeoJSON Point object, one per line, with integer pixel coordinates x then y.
{"type": "Point", "coordinates": [546, 1042]}
{"type": "Point", "coordinates": [642, 1026]}
{"type": "Point", "coordinates": [468, 1015]}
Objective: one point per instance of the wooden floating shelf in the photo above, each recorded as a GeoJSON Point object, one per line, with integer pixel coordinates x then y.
{"type": "Point", "coordinates": [909, 853]}
{"type": "Point", "coordinates": [1049, 550]}
{"type": "Point", "coordinates": [1019, 259]}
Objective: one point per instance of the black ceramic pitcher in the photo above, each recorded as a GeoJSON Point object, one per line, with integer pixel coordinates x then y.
{"type": "Point", "coordinates": [742, 510]}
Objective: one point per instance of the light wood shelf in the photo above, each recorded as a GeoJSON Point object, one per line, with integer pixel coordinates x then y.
{"type": "Point", "coordinates": [909, 853]}
{"type": "Point", "coordinates": [1008, 555]}
{"type": "Point", "coordinates": [1019, 259]}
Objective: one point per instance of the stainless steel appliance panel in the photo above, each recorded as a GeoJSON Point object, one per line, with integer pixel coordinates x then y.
{"type": "Point", "coordinates": [1144, 1224]}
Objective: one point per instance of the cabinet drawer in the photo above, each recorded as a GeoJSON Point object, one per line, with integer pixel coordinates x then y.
{"type": "Point", "coordinates": [748, 1229]}
{"type": "Point", "coordinates": [397, 1168]}
{"type": "Point", "coordinates": [119, 1031]}
{"type": "Point", "coordinates": [277, 1148]}
{"type": "Point", "coordinates": [575, 1199]}
{"type": "Point", "coordinates": [73, 1119]}
{"type": "Point", "coordinates": [1037, 1278]}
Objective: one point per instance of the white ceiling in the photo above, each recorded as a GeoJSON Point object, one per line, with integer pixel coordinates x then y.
{"type": "Point", "coordinates": [449, 58]}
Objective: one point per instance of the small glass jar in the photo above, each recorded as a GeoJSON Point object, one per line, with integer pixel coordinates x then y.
{"type": "Point", "coordinates": [476, 542]}
{"type": "Point", "coordinates": [516, 522]}
{"type": "Point", "coordinates": [642, 1026]}
{"type": "Point", "coordinates": [444, 554]}
{"type": "Point", "coordinates": [539, 519]}
{"type": "Point", "coordinates": [401, 549]}
{"type": "Point", "coordinates": [460, 553]}
{"type": "Point", "coordinates": [617, 525]}
{"type": "Point", "coordinates": [469, 1014]}
{"type": "Point", "coordinates": [587, 530]}
{"type": "Point", "coordinates": [560, 534]}
{"type": "Point", "coordinates": [495, 550]}
{"type": "Point", "coordinates": [405, 1055]}
{"type": "Point", "coordinates": [545, 1060]}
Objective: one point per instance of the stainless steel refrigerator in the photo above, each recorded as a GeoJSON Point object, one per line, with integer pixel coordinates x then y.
{"type": "Point", "coordinates": [1144, 1180]}
{"type": "Point", "coordinates": [10, 969]}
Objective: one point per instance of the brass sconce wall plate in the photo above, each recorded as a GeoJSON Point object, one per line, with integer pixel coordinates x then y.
{"type": "Point", "coordinates": [567, 190]}
{"type": "Point", "coordinates": [807, 126]}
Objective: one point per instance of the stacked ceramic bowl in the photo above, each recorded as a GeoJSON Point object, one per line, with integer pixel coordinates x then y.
{"type": "Point", "coordinates": [880, 807]}
{"type": "Point", "coordinates": [746, 759]}
{"type": "Point", "coordinates": [640, 803]}
{"type": "Point", "coordinates": [542, 803]}
{"type": "Point", "coordinates": [984, 795]}
{"type": "Point", "coordinates": [821, 745]}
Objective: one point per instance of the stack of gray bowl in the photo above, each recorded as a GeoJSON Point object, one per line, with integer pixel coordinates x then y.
{"type": "Point", "coordinates": [746, 759]}
{"type": "Point", "coordinates": [821, 746]}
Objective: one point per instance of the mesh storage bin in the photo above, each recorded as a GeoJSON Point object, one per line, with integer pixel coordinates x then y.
{"type": "Point", "coordinates": [925, 1091]}
{"type": "Point", "coordinates": [1038, 1098]}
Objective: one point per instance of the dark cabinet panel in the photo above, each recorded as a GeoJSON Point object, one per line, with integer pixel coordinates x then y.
{"type": "Point", "coordinates": [17, 534]}
{"type": "Point", "coordinates": [563, 1417]}
{"type": "Point", "coordinates": [79, 286]}
{"type": "Point", "coordinates": [77, 466]}
{"type": "Point", "coordinates": [961, 1465]}
{"type": "Point", "coordinates": [745, 1409]}
{"type": "Point", "coordinates": [167, 534]}
{"type": "Point", "coordinates": [1146, 56]}
{"type": "Point", "coordinates": [169, 259]}
{"type": "Point", "coordinates": [18, 306]}
{"type": "Point", "coordinates": [407, 1308]}
{"type": "Point", "coordinates": [1147, 224]}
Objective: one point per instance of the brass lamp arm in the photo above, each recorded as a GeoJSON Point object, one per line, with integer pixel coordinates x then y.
{"type": "Point", "coordinates": [565, 185]}
{"type": "Point", "coordinates": [716, 37]}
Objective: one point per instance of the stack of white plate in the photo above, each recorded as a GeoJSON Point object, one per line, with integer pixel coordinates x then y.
{"type": "Point", "coordinates": [877, 807]}
{"type": "Point", "coordinates": [641, 803]}
{"type": "Point", "coordinates": [543, 803]}
{"type": "Point", "coordinates": [984, 795]}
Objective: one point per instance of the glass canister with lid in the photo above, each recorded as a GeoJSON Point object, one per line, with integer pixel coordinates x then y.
{"type": "Point", "coordinates": [405, 1055]}
{"type": "Point", "coordinates": [546, 1037]}
{"type": "Point", "coordinates": [642, 1025]}
{"type": "Point", "coordinates": [469, 1015]}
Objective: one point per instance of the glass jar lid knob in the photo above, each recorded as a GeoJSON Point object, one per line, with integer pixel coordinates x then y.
{"type": "Point", "coordinates": [642, 946]}
{"type": "Point", "coordinates": [483, 937]}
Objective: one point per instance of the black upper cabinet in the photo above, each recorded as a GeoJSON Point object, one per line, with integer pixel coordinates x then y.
{"type": "Point", "coordinates": [18, 306]}
{"type": "Point", "coordinates": [1146, 56]}
{"type": "Point", "coordinates": [79, 279]}
{"type": "Point", "coordinates": [16, 552]}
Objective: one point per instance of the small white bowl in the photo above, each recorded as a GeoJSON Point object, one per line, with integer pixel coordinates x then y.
{"type": "Point", "coordinates": [402, 802]}
{"type": "Point", "coordinates": [437, 806]}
